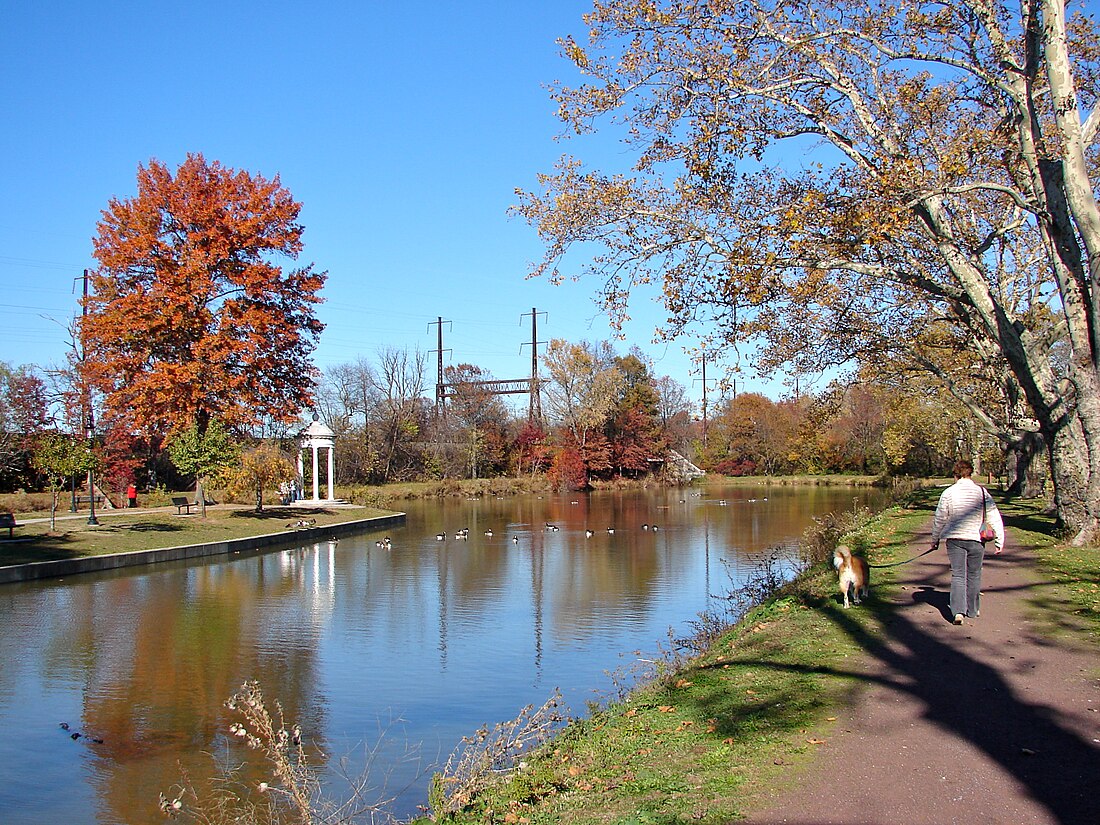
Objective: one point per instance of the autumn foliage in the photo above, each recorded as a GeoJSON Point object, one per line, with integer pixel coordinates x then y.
{"type": "Point", "coordinates": [568, 471]}
{"type": "Point", "coordinates": [839, 184]}
{"type": "Point", "coordinates": [191, 315]}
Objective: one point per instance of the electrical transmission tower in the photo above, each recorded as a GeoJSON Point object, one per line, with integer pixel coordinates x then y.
{"type": "Point", "coordinates": [514, 386]}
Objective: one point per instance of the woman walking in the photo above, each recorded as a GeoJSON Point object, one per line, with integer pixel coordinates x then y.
{"type": "Point", "coordinates": [963, 509]}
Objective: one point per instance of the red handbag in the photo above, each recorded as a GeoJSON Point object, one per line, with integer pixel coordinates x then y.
{"type": "Point", "coordinates": [986, 531]}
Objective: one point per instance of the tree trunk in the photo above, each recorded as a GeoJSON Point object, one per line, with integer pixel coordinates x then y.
{"type": "Point", "coordinates": [1019, 461]}
{"type": "Point", "coordinates": [1070, 474]}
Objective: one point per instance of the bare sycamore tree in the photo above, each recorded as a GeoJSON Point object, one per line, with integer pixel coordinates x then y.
{"type": "Point", "coordinates": [378, 411]}
{"type": "Point", "coordinates": [674, 411]}
{"type": "Point", "coordinates": [400, 409]}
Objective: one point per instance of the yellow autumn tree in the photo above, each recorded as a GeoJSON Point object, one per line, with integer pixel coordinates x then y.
{"type": "Point", "coordinates": [262, 468]}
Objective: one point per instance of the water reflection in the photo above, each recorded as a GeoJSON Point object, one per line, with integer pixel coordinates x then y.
{"type": "Point", "coordinates": [428, 639]}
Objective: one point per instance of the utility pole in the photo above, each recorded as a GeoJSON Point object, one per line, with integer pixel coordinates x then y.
{"type": "Point", "coordinates": [704, 399]}
{"type": "Point", "coordinates": [89, 421]}
{"type": "Point", "coordinates": [534, 407]}
{"type": "Point", "coordinates": [439, 390]}
{"type": "Point", "coordinates": [703, 360]}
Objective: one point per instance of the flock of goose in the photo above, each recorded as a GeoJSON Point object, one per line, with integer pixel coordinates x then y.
{"type": "Point", "coordinates": [386, 543]}
{"type": "Point", "coordinates": [464, 533]}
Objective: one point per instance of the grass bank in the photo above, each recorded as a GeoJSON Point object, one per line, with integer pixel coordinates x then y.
{"type": "Point", "coordinates": [830, 480]}
{"type": "Point", "coordinates": [124, 531]}
{"type": "Point", "coordinates": [35, 505]}
{"type": "Point", "coordinates": [388, 494]}
{"type": "Point", "coordinates": [716, 735]}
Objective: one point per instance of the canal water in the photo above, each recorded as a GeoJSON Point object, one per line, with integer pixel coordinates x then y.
{"type": "Point", "coordinates": [385, 656]}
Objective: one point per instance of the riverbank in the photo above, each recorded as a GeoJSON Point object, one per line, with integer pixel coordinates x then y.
{"type": "Point", "coordinates": [151, 535]}
{"type": "Point", "coordinates": [728, 734]}
{"type": "Point", "coordinates": [36, 505]}
{"type": "Point", "coordinates": [480, 487]}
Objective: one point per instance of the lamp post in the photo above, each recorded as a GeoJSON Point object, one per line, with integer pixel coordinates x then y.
{"type": "Point", "coordinates": [90, 432]}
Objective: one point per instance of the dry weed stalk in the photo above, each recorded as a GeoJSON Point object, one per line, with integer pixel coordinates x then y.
{"type": "Point", "coordinates": [480, 759]}
{"type": "Point", "coordinates": [291, 794]}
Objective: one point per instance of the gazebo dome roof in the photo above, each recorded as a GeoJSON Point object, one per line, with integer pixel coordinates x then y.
{"type": "Point", "coordinates": [316, 431]}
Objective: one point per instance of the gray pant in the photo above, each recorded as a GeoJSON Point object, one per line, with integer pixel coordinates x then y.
{"type": "Point", "coordinates": [966, 575]}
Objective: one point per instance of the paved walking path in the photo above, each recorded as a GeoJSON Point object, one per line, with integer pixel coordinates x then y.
{"type": "Point", "coordinates": [985, 723]}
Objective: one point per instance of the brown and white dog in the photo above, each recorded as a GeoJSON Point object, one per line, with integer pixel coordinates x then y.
{"type": "Point", "coordinates": [855, 576]}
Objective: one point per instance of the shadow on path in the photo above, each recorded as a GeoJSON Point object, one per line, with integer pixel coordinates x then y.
{"type": "Point", "coordinates": [973, 701]}
{"type": "Point", "coordinates": [932, 668]}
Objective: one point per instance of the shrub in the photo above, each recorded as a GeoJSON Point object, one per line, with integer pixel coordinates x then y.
{"type": "Point", "coordinates": [736, 467]}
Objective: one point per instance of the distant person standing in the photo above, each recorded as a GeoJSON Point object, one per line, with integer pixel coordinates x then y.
{"type": "Point", "coordinates": [131, 495]}
{"type": "Point", "coordinates": [959, 515]}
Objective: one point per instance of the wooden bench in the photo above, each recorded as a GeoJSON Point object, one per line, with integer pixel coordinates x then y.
{"type": "Point", "coordinates": [183, 503]}
{"type": "Point", "coordinates": [8, 520]}
{"type": "Point", "coordinates": [99, 499]}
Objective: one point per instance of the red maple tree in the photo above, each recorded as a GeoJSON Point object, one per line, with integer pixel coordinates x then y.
{"type": "Point", "coordinates": [191, 315]}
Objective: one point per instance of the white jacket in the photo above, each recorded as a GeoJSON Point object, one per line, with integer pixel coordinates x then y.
{"type": "Point", "coordinates": [959, 514]}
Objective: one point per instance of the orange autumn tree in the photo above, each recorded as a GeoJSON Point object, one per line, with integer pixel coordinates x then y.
{"type": "Point", "coordinates": [193, 315]}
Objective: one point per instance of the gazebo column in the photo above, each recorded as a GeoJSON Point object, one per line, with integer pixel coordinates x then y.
{"type": "Point", "coordinates": [316, 488]}
{"type": "Point", "coordinates": [331, 473]}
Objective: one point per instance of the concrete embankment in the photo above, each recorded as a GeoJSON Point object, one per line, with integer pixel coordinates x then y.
{"type": "Point", "coordinates": [112, 561]}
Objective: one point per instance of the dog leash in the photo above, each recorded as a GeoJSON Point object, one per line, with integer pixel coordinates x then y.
{"type": "Point", "coordinates": [905, 561]}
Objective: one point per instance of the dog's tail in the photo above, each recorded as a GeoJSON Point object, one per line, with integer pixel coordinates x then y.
{"type": "Point", "coordinates": [841, 555]}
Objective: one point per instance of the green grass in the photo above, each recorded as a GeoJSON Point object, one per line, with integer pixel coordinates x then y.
{"type": "Point", "coordinates": [722, 734]}
{"type": "Point", "coordinates": [121, 531]}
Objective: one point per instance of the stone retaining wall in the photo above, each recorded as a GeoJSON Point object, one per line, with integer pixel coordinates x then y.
{"type": "Point", "coordinates": [112, 561]}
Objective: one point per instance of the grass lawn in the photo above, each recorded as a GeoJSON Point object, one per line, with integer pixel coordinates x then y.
{"type": "Point", "coordinates": [123, 531]}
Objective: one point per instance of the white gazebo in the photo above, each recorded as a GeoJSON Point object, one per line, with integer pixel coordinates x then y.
{"type": "Point", "coordinates": [317, 437]}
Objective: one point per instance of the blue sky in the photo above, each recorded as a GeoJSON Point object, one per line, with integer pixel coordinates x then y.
{"type": "Point", "coordinates": [403, 129]}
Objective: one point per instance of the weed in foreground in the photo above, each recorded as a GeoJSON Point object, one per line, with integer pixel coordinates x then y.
{"type": "Point", "coordinates": [770, 572]}
{"type": "Point", "coordinates": [481, 759]}
{"type": "Point", "coordinates": [286, 789]}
